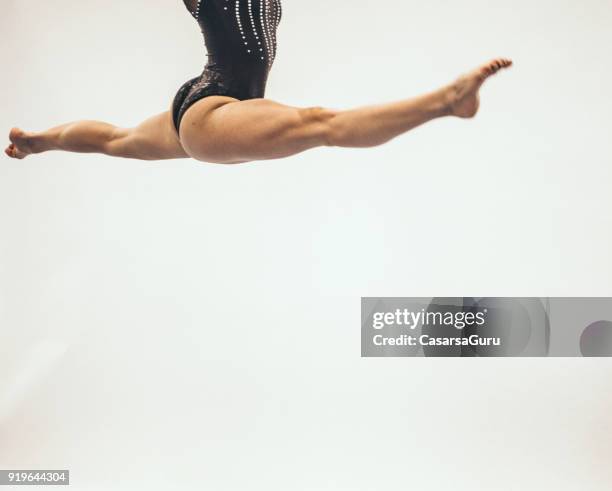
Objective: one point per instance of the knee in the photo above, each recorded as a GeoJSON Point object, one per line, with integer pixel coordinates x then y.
{"type": "Point", "coordinates": [321, 120]}
{"type": "Point", "coordinates": [114, 141]}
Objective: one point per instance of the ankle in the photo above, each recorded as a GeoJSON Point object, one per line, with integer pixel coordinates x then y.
{"type": "Point", "coordinates": [36, 142]}
{"type": "Point", "coordinates": [448, 98]}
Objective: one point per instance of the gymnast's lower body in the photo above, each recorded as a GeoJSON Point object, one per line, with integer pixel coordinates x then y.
{"type": "Point", "coordinates": [222, 129]}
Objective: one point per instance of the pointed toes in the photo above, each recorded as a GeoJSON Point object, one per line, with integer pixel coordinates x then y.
{"type": "Point", "coordinates": [500, 63]}
{"type": "Point", "coordinates": [495, 66]}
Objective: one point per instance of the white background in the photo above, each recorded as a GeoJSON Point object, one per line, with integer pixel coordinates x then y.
{"type": "Point", "coordinates": [187, 326]}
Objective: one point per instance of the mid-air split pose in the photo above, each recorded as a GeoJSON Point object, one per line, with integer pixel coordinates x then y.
{"type": "Point", "coordinates": [222, 116]}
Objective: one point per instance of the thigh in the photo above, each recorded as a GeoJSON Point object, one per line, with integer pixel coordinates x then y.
{"type": "Point", "coordinates": [155, 139]}
{"type": "Point", "coordinates": [225, 130]}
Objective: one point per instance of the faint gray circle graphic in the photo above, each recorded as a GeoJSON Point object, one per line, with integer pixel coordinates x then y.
{"type": "Point", "coordinates": [509, 321]}
{"type": "Point", "coordinates": [443, 305]}
{"type": "Point", "coordinates": [596, 340]}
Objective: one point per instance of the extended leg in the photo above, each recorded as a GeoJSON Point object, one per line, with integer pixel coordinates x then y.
{"type": "Point", "coordinates": [154, 139]}
{"type": "Point", "coordinates": [228, 131]}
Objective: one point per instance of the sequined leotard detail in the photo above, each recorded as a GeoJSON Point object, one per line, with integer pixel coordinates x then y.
{"type": "Point", "coordinates": [240, 36]}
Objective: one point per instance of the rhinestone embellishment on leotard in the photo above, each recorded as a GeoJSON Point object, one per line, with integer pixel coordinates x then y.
{"type": "Point", "coordinates": [196, 14]}
{"type": "Point", "coordinates": [255, 20]}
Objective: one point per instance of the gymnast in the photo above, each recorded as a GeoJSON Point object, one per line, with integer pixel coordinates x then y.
{"type": "Point", "coordinates": [222, 116]}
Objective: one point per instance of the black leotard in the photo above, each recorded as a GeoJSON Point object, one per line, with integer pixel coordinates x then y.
{"type": "Point", "coordinates": [240, 36]}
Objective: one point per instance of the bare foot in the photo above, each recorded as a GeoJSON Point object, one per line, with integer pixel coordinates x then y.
{"type": "Point", "coordinates": [464, 100]}
{"type": "Point", "coordinates": [22, 144]}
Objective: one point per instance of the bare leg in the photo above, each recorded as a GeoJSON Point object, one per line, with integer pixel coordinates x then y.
{"type": "Point", "coordinates": [223, 130]}
{"type": "Point", "coordinates": [154, 139]}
